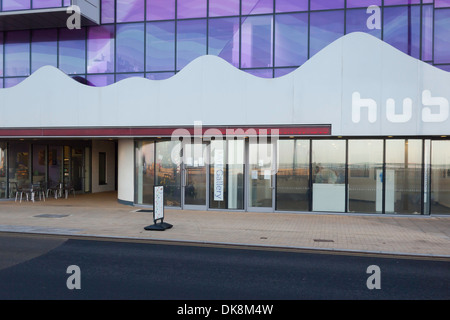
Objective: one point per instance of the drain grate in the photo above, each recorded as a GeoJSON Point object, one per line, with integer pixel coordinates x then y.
{"type": "Point", "coordinates": [144, 210]}
{"type": "Point", "coordinates": [323, 240]}
{"type": "Point", "coordinates": [51, 216]}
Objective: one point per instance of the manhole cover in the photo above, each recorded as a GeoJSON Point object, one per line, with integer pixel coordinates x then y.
{"type": "Point", "coordinates": [51, 216]}
{"type": "Point", "coordinates": [323, 240]}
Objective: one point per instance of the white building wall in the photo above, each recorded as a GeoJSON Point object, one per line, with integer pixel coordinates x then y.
{"type": "Point", "coordinates": [125, 160]}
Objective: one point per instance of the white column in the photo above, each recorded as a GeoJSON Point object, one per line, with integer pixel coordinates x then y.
{"type": "Point", "coordinates": [125, 188]}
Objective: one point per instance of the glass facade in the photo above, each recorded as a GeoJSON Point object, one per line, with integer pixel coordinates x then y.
{"type": "Point", "coordinates": [267, 38]}
{"type": "Point", "coordinates": [354, 175]}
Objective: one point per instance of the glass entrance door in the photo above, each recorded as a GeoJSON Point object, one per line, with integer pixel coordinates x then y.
{"type": "Point", "coordinates": [195, 176]}
{"type": "Point", "coordinates": [261, 176]}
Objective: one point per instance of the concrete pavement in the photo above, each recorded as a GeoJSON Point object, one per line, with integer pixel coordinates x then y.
{"type": "Point", "coordinates": [100, 215]}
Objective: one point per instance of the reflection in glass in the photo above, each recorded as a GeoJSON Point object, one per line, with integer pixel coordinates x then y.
{"type": "Point", "coordinates": [293, 175]}
{"type": "Point", "coordinates": [440, 177]}
{"type": "Point", "coordinates": [39, 163]}
{"type": "Point", "coordinates": [130, 47]}
{"type": "Point", "coordinates": [191, 41]}
{"type": "Point", "coordinates": [325, 27]}
{"type": "Point", "coordinates": [160, 9]}
{"type": "Point", "coordinates": [227, 174]}
{"type": "Point", "coordinates": [160, 46]}
{"type": "Point", "coordinates": [328, 165]}
{"type": "Point", "coordinates": [291, 39]}
{"type": "Point", "coordinates": [16, 5]}
{"type": "Point", "coordinates": [72, 51]}
{"type": "Point", "coordinates": [130, 10]}
{"type": "Point", "coordinates": [260, 175]}
{"type": "Point", "coordinates": [1, 55]}
{"type": "Point", "coordinates": [223, 8]}
{"type": "Point", "coordinates": [365, 168]}
{"type": "Point", "coordinates": [19, 163]}
{"type": "Point", "coordinates": [145, 172]}
{"type": "Point", "coordinates": [441, 38]}
{"type": "Point", "coordinates": [257, 6]}
{"type": "Point", "coordinates": [223, 39]}
{"type": "Point", "coordinates": [191, 9]}
{"type": "Point", "coordinates": [54, 159]}
{"type": "Point", "coordinates": [100, 47]}
{"type": "Point", "coordinates": [43, 48]}
{"type": "Point", "coordinates": [194, 174]}
{"type": "Point", "coordinates": [17, 53]}
{"type": "Point", "coordinates": [256, 42]}
{"type": "Point", "coordinates": [168, 171]}
{"type": "Point", "coordinates": [3, 168]}
{"type": "Point", "coordinates": [403, 176]}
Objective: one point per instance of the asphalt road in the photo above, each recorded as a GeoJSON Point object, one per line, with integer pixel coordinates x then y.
{"type": "Point", "coordinates": [36, 267]}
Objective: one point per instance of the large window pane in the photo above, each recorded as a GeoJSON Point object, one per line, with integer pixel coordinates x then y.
{"type": "Point", "coordinates": [402, 29]}
{"type": "Point", "coordinates": [191, 9]}
{"type": "Point", "coordinates": [43, 48]}
{"type": "Point", "coordinates": [39, 163]}
{"type": "Point", "coordinates": [191, 41]}
{"type": "Point", "coordinates": [101, 49]}
{"type": "Point", "coordinates": [72, 51]}
{"type": "Point", "coordinates": [17, 53]}
{"type": "Point", "coordinates": [362, 3]}
{"type": "Point", "coordinates": [256, 42]}
{"type": "Point", "coordinates": [1, 54]}
{"type": "Point", "coordinates": [224, 39]}
{"type": "Point", "coordinates": [168, 171]}
{"type": "Point", "coordinates": [325, 27]}
{"type": "Point", "coordinates": [365, 164]}
{"type": "Point", "coordinates": [328, 165]}
{"type": "Point", "coordinates": [327, 4]}
{"type": "Point", "coordinates": [160, 46]}
{"type": "Point", "coordinates": [427, 33]}
{"type": "Point", "coordinates": [440, 177]}
{"type": "Point", "coordinates": [291, 39]}
{"type": "Point", "coordinates": [223, 8]}
{"type": "Point", "coordinates": [403, 176]}
{"type": "Point", "coordinates": [291, 5]}
{"type": "Point", "coordinates": [19, 163]}
{"type": "Point", "coordinates": [356, 21]}
{"type": "Point", "coordinates": [107, 11]}
{"type": "Point", "coordinates": [257, 6]}
{"type": "Point", "coordinates": [9, 5]}
{"type": "Point", "coordinates": [46, 4]}
{"type": "Point", "coordinates": [130, 47]}
{"type": "Point", "coordinates": [293, 175]}
{"type": "Point", "coordinates": [130, 10]}
{"type": "Point", "coordinates": [160, 9]}
{"type": "Point", "coordinates": [145, 172]}
{"type": "Point", "coordinates": [441, 36]}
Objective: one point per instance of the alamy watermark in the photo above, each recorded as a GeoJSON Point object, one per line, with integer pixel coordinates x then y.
{"type": "Point", "coordinates": [74, 20]}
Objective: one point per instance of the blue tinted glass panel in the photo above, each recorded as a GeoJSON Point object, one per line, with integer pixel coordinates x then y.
{"type": "Point", "coordinates": [160, 9]}
{"type": "Point", "coordinates": [100, 80]}
{"type": "Point", "coordinates": [441, 3]}
{"type": "Point", "coordinates": [43, 48]}
{"type": "Point", "coordinates": [46, 3]}
{"type": "Point", "coordinates": [402, 29]}
{"type": "Point", "coordinates": [327, 4]}
{"type": "Point", "coordinates": [16, 5]}
{"type": "Point", "coordinates": [291, 5]}
{"type": "Point", "coordinates": [191, 41]}
{"type": "Point", "coordinates": [11, 82]}
{"type": "Point", "coordinates": [160, 75]}
{"type": "Point", "coordinates": [279, 72]}
{"type": "Point", "coordinates": [427, 32]}
{"type": "Point", "coordinates": [224, 39]}
{"type": "Point", "coordinates": [107, 11]}
{"type": "Point", "coordinates": [261, 73]}
{"type": "Point", "coordinates": [17, 53]}
{"type": "Point", "coordinates": [124, 76]}
{"type": "Point", "coordinates": [130, 10]}
{"type": "Point", "coordinates": [223, 8]}
{"type": "Point", "coordinates": [441, 36]}
{"type": "Point", "coordinates": [291, 39]}
{"type": "Point", "coordinates": [130, 47]}
{"type": "Point", "coordinates": [257, 6]}
{"type": "Point", "coordinates": [357, 22]}
{"type": "Point", "coordinates": [325, 28]}
{"type": "Point", "coordinates": [160, 46]}
{"type": "Point", "coordinates": [362, 3]}
{"type": "Point", "coordinates": [191, 9]}
{"type": "Point", "coordinates": [72, 51]}
{"type": "Point", "coordinates": [100, 49]}
{"type": "Point", "coordinates": [256, 42]}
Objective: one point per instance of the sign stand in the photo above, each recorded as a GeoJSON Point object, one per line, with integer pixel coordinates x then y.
{"type": "Point", "coordinates": [158, 211]}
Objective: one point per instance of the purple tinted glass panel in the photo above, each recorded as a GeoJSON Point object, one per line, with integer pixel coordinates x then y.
{"type": "Point", "coordinates": [362, 3]}
{"type": "Point", "coordinates": [191, 9]}
{"type": "Point", "coordinates": [223, 8]}
{"type": "Point", "coordinates": [279, 72]}
{"type": "Point", "coordinates": [402, 29]}
{"type": "Point", "coordinates": [130, 47]}
{"type": "Point", "coordinates": [124, 76]}
{"type": "Point", "coordinates": [327, 4]}
{"type": "Point", "coordinates": [191, 41]}
{"type": "Point", "coordinates": [257, 6]}
{"type": "Point", "coordinates": [160, 75]}
{"type": "Point", "coordinates": [441, 3]}
{"type": "Point", "coordinates": [261, 73]}
{"type": "Point", "coordinates": [441, 36]}
{"type": "Point", "coordinates": [224, 39]}
{"type": "Point", "coordinates": [46, 4]}
{"type": "Point", "coordinates": [444, 67]}
{"type": "Point", "coordinates": [291, 5]}
{"type": "Point", "coordinates": [107, 11]}
{"type": "Point", "coordinates": [16, 5]}
{"type": "Point", "coordinates": [160, 9]}
{"type": "Point", "coordinates": [43, 48]}
{"type": "Point", "coordinates": [256, 42]}
{"type": "Point", "coordinates": [397, 2]}
{"type": "Point", "coordinates": [130, 10]}
{"type": "Point", "coordinates": [100, 80]}
{"type": "Point", "coordinates": [291, 39]}
{"type": "Point", "coordinates": [100, 52]}
{"type": "Point", "coordinates": [67, 2]}
{"type": "Point", "coordinates": [1, 54]}
{"type": "Point", "coordinates": [11, 82]}
{"type": "Point", "coordinates": [357, 22]}
{"type": "Point", "coordinates": [160, 46]}
{"type": "Point", "coordinates": [72, 51]}
{"type": "Point", "coordinates": [325, 28]}
{"type": "Point", "coordinates": [17, 53]}
{"type": "Point", "coordinates": [1, 82]}
{"type": "Point", "coordinates": [427, 32]}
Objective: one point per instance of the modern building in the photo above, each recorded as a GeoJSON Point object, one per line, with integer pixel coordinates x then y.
{"type": "Point", "coordinates": [240, 105]}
